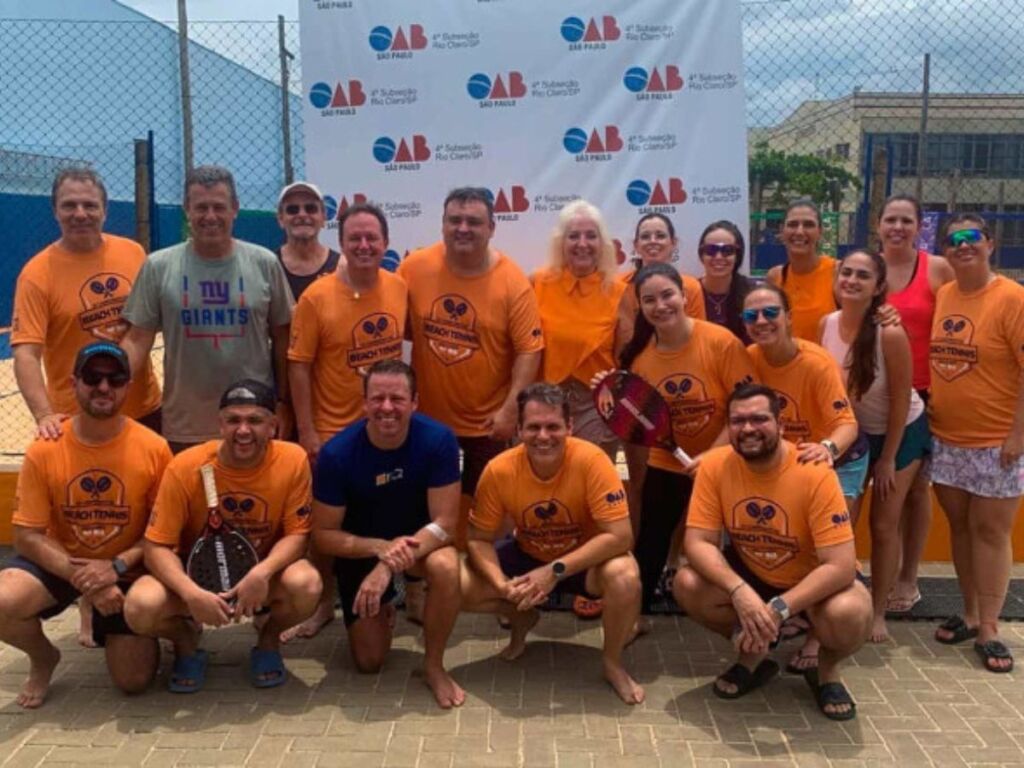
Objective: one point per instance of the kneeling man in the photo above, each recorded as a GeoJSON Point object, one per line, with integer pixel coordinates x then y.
{"type": "Point", "coordinates": [264, 490]}
{"type": "Point", "coordinates": [81, 509]}
{"type": "Point", "coordinates": [386, 501]}
{"type": "Point", "coordinates": [791, 550]}
{"type": "Point", "coordinates": [571, 533]}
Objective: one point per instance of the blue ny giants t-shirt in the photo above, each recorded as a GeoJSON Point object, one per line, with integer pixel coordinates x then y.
{"type": "Point", "coordinates": [385, 492]}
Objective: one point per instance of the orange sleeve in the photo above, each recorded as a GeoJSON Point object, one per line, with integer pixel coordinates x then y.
{"type": "Point", "coordinates": [524, 318]}
{"type": "Point", "coordinates": [1013, 322]}
{"type": "Point", "coordinates": [694, 298]}
{"type": "Point", "coordinates": [32, 497]}
{"type": "Point", "coordinates": [705, 511]}
{"type": "Point", "coordinates": [830, 395]}
{"type": "Point", "coordinates": [607, 497]}
{"type": "Point", "coordinates": [305, 332]}
{"type": "Point", "coordinates": [30, 319]}
{"type": "Point", "coordinates": [736, 365]}
{"type": "Point", "coordinates": [488, 512]}
{"type": "Point", "coordinates": [299, 504]}
{"type": "Point", "coordinates": [170, 512]}
{"type": "Point", "coordinates": [163, 458]}
{"type": "Point", "coordinates": [827, 516]}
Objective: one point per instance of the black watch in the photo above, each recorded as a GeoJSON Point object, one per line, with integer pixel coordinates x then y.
{"type": "Point", "coordinates": [558, 568]}
{"type": "Point", "coordinates": [120, 567]}
{"type": "Point", "coordinates": [780, 606]}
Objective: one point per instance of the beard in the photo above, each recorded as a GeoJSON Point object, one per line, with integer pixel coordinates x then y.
{"type": "Point", "coordinates": [764, 448]}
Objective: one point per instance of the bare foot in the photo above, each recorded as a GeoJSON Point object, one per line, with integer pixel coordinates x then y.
{"type": "Point", "coordinates": [85, 623]}
{"type": "Point", "coordinates": [522, 622]}
{"type": "Point", "coordinates": [879, 630]}
{"type": "Point", "coordinates": [628, 689]}
{"type": "Point", "coordinates": [34, 689]}
{"type": "Point", "coordinates": [323, 616]}
{"type": "Point", "coordinates": [642, 626]}
{"type": "Point", "coordinates": [447, 692]}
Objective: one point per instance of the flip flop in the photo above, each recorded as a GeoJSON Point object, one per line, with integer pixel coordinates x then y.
{"type": "Point", "coordinates": [994, 649]}
{"type": "Point", "coordinates": [191, 668]}
{"type": "Point", "coordinates": [793, 669]}
{"type": "Point", "coordinates": [794, 626]}
{"type": "Point", "coordinates": [826, 694]}
{"type": "Point", "coordinates": [586, 608]}
{"type": "Point", "coordinates": [745, 680]}
{"type": "Point", "coordinates": [902, 604]}
{"type": "Point", "coordinates": [263, 663]}
{"type": "Point", "coordinates": [959, 628]}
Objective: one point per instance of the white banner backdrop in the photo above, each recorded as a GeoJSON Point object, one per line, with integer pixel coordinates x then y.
{"type": "Point", "coordinates": [635, 106]}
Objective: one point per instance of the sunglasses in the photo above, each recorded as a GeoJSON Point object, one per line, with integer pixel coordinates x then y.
{"type": "Point", "coordinates": [93, 378]}
{"type": "Point", "coordinates": [310, 208]}
{"type": "Point", "coordinates": [718, 249]}
{"type": "Point", "coordinates": [770, 313]}
{"type": "Point", "coordinates": [964, 237]}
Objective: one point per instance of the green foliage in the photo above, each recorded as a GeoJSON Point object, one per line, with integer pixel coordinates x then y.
{"type": "Point", "coordinates": [784, 176]}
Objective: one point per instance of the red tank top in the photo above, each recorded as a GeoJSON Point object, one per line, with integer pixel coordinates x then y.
{"type": "Point", "coordinates": [916, 305]}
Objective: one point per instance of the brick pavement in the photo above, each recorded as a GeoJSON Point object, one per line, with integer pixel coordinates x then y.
{"type": "Point", "coordinates": [920, 704]}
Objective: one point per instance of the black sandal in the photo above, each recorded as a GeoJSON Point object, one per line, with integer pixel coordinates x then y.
{"type": "Point", "coordinates": [831, 694]}
{"type": "Point", "coordinates": [994, 649]}
{"type": "Point", "coordinates": [959, 629]}
{"type": "Point", "coordinates": [744, 680]}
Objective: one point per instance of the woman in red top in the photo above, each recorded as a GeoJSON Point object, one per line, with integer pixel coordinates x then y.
{"type": "Point", "coordinates": [913, 278]}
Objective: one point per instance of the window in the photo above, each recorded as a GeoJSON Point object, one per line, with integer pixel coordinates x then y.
{"type": "Point", "coordinates": [984, 155]}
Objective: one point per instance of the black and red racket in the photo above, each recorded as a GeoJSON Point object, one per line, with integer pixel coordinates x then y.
{"type": "Point", "coordinates": [222, 555]}
{"type": "Point", "coordinates": [639, 414]}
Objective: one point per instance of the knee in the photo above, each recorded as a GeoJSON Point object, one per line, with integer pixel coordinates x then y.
{"type": "Point", "coordinates": [442, 567]}
{"type": "Point", "coordinates": [686, 586]}
{"type": "Point", "coordinates": [989, 532]}
{"type": "Point", "coordinates": [845, 619]}
{"type": "Point", "coordinates": [132, 671]}
{"type": "Point", "coordinates": [133, 681]}
{"type": "Point", "coordinates": [302, 582]}
{"type": "Point", "coordinates": [620, 577]}
{"type": "Point", "coordinates": [142, 606]}
{"type": "Point", "coordinates": [368, 660]}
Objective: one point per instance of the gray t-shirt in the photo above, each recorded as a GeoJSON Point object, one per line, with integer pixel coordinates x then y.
{"type": "Point", "coordinates": [215, 316]}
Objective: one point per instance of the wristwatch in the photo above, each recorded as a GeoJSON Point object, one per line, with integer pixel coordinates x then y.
{"type": "Point", "coordinates": [558, 568]}
{"type": "Point", "coordinates": [120, 567]}
{"type": "Point", "coordinates": [833, 449]}
{"type": "Point", "coordinates": [778, 605]}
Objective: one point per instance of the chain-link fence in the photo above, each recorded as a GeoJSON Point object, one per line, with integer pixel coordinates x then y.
{"type": "Point", "coordinates": [841, 106]}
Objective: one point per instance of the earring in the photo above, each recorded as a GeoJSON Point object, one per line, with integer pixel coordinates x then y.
{"type": "Point", "coordinates": [675, 254]}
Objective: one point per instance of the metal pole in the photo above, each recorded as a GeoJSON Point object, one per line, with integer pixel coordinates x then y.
{"type": "Point", "coordinates": [154, 218]}
{"type": "Point", "coordinates": [922, 138]}
{"type": "Point", "coordinates": [143, 224]}
{"type": "Point", "coordinates": [186, 87]}
{"type": "Point", "coordinates": [286, 116]}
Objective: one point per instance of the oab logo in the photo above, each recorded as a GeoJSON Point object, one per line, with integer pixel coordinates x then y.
{"type": "Point", "coordinates": [397, 44]}
{"type": "Point", "coordinates": [403, 155]}
{"type": "Point", "coordinates": [659, 197]}
{"type": "Point", "coordinates": [590, 34]}
{"type": "Point", "coordinates": [332, 5]}
{"type": "Point", "coordinates": [653, 85]}
{"type": "Point", "coordinates": [342, 99]}
{"type": "Point", "coordinates": [501, 90]}
{"type": "Point", "coordinates": [596, 146]}
{"type": "Point", "coordinates": [953, 353]}
{"type": "Point", "coordinates": [333, 208]}
{"type": "Point", "coordinates": [391, 261]}
{"type": "Point", "coordinates": [508, 205]}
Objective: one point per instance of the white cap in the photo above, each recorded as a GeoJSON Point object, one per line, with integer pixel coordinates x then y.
{"type": "Point", "coordinates": [296, 186]}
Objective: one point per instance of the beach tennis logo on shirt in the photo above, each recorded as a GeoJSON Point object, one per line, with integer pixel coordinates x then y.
{"type": "Point", "coordinates": [657, 197]}
{"type": "Point", "coordinates": [794, 428]}
{"type": "Point", "coordinates": [249, 514]}
{"type": "Point", "coordinates": [103, 297]}
{"type": "Point", "coordinates": [688, 402]}
{"type": "Point", "coordinates": [654, 85]}
{"type": "Point", "coordinates": [596, 146]}
{"type": "Point", "coordinates": [499, 90]}
{"type": "Point", "coordinates": [94, 508]}
{"type": "Point", "coordinates": [759, 529]}
{"type": "Point", "coordinates": [952, 352]}
{"type": "Point", "coordinates": [340, 100]}
{"type": "Point", "coordinates": [548, 528]}
{"type": "Point", "coordinates": [450, 329]}
{"type": "Point", "coordinates": [509, 202]}
{"type": "Point", "coordinates": [374, 337]}
{"type": "Point", "coordinates": [592, 34]}
{"type": "Point", "coordinates": [399, 42]}
{"type": "Point", "coordinates": [405, 154]}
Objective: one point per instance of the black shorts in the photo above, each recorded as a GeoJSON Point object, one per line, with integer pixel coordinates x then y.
{"type": "Point", "coordinates": [765, 590]}
{"type": "Point", "coordinates": [350, 573]}
{"type": "Point", "coordinates": [65, 594]}
{"type": "Point", "coordinates": [514, 562]}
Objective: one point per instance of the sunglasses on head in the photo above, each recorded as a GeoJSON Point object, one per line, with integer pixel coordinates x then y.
{"type": "Point", "coordinates": [310, 208]}
{"type": "Point", "coordinates": [770, 313]}
{"type": "Point", "coordinates": [718, 249]}
{"type": "Point", "coordinates": [93, 378]}
{"type": "Point", "coordinates": [964, 237]}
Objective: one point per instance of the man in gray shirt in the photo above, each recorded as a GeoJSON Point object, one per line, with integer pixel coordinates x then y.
{"type": "Point", "coordinates": [223, 307]}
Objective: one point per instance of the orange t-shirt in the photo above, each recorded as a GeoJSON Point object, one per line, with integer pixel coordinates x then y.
{"type": "Point", "coordinates": [814, 400]}
{"type": "Point", "coordinates": [811, 296]}
{"type": "Point", "coordinates": [342, 336]}
{"type": "Point", "coordinates": [551, 517]}
{"type": "Point", "coordinates": [65, 300]}
{"type": "Point", "coordinates": [579, 317]}
{"type": "Point", "coordinates": [695, 381]}
{"type": "Point", "coordinates": [776, 520]}
{"type": "Point", "coordinates": [92, 499]}
{"type": "Point", "coordinates": [692, 292]}
{"type": "Point", "coordinates": [265, 502]}
{"type": "Point", "coordinates": [466, 334]}
{"type": "Point", "coordinates": [977, 353]}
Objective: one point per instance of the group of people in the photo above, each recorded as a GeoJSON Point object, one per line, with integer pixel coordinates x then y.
{"type": "Point", "coordinates": [483, 473]}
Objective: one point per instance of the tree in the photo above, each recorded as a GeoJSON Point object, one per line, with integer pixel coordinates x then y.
{"type": "Point", "coordinates": [787, 175]}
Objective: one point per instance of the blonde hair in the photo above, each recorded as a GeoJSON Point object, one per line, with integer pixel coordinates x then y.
{"type": "Point", "coordinates": [606, 264]}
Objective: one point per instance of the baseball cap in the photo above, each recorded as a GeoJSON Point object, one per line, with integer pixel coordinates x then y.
{"type": "Point", "coordinates": [295, 186]}
{"type": "Point", "coordinates": [249, 392]}
{"type": "Point", "coordinates": [102, 348]}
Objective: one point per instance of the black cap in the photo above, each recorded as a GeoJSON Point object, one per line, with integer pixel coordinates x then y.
{"type": "Point", "coordinates": [102, 348]}
{"type": "Point", "coordinates": [249, 392]}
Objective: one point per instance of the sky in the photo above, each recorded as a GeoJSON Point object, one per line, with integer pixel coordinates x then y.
{"type": "Point", "coordinates": [219, 10]}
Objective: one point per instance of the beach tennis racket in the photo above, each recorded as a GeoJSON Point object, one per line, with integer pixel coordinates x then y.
{"type": "Point", "coordinates": [639, 414]}
{"type": "Point", "coordinates": [222, 555]}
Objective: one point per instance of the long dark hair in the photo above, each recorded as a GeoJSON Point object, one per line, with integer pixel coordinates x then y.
{"type": "Point", "coordinates": [862, 356]}
{"type": "Point", "coordinates": [639, 262]}
{"type": "Point", "coordinates": [903, 199]}
{"type": "Point", "coordinates": [643, 331]}
{"type": "Point", "coordinates": [740, 284]}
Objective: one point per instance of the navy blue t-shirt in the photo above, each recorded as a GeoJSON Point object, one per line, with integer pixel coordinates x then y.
{"type": "Point", "coordinates": [385, 492]}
